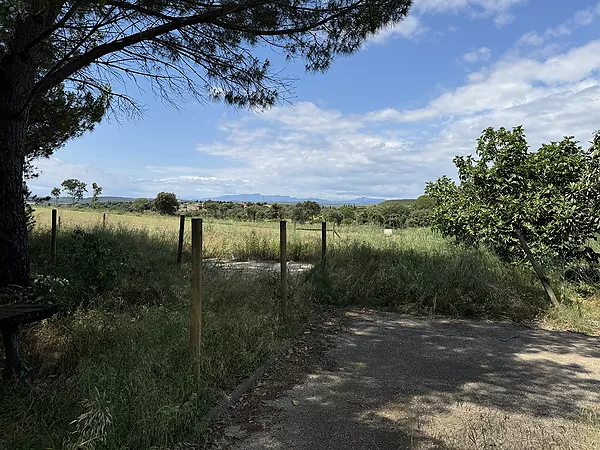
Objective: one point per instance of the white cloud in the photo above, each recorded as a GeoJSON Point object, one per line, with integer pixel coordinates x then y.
{"type": "Point", "coordinates": [338, 157]}
{"type": "Point", "coordinates": [586, 16]}
{"type": "Point", "coordinates": [499, 10]}
{"type": "Point", "coordinates": [567, 113]}
{"type": "Point", "coordinates": [531, 38]}
{"type": "Point", "coordinates": [508, 83]}
{"type": "Point", "coordinates": [552, 97]}
{"type": "Point", "coordinates": [481, 54]}
{"type": "Point", "coordinates": [580, 18]}
{"type": "Point", "coordinates": [488, 6]}
{"type": "Point", "coordinates": [306, 116]}
{"type": "Point", "coordinates": [408, 28]}
{"type": "Point", "coordinates": [413, 26]}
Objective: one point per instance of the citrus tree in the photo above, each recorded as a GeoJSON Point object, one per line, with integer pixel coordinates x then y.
{"type": "Point", "coordinates": [551, 196]}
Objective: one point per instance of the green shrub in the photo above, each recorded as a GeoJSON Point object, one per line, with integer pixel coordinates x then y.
{"type": "Point", "coordinates": [166, 203]}
{"type": "Point", "coordinates": [551, 196]}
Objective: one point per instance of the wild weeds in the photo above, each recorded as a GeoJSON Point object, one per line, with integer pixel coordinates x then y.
{"type": "Point", "coordinates": [449, 281]}
{"type": "Point", "coordinates": [113, 370]}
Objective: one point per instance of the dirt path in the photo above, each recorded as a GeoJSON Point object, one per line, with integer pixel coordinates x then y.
{"type": "Point", "coordinates": [390, 382]}
{"type": "Point", "coordinates": [273, 266]}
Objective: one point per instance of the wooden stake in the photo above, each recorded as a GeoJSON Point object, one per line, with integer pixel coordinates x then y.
{"type": "Point", "coordinates": [283, 263]}
{"type": "Point", "coordinates": [196, 310]}
{"type": "Point", "coordinates": [103, 219]}
{"type": "Point", "coordinates": [53, 240]}
{"type": "Point", "coordinates": [323, 240]}
{"type": "Point", "coordinates": [181, 235]}
{"type": "Point", "coordinates": [538, 269]}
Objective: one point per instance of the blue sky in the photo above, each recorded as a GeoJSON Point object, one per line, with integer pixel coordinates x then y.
{"type": "Point", "coordinates": [379, 123]}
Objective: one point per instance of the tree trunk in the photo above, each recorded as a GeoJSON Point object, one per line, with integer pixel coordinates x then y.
{"type": "Point", "coordinates": [19, 67]}
{"type": "Point", "coordinates": [17, 77]}
{"type": "Point", "coordinates": [14, 246]}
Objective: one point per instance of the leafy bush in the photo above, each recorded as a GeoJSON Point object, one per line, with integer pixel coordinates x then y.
{"type": "Point", "coordinates": [395, 221]}
{"type": "Point", "coordinates": [166, 203]}
{"type": "Point", "coordinates": [419, 218]}
{"type": "Point", "coordinates": [333, 215]}
{"type": "Point", "coordinates": [305, 211]}
{"type": "Point", "coordinates": [552, 196]}
{"type": "Point", "coordinates": [105, 266]}
{"type": "Point", "coordinates": [421, 212]}
{"type": "Point", "coordinates": [142, 204]}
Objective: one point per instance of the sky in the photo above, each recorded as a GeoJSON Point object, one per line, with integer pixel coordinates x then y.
{"type": "Point", "coordinates": [380, 123]}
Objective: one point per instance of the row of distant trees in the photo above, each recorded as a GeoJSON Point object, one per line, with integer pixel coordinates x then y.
{"type": "Point", "coordinates": [391, 213]}
{"type": "Point", "coordinates": [75, 189]}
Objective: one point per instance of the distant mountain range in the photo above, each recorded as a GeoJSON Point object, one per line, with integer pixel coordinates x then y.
{"type": "Point", "coordinates": [253, 198]}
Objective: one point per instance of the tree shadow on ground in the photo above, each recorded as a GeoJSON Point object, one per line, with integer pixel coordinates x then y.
{"type": "Point", "coordinates": [440, 384]}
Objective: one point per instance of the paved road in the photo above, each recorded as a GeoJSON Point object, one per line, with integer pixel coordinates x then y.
{"type": "Point", "coordinates": [394, 382]}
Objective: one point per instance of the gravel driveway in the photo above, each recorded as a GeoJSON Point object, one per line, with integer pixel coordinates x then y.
{"type": "Point", "coordinates": [387, 381]}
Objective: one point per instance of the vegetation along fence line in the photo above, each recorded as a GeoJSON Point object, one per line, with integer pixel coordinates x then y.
{"type": "Point", "coordinates": [181, 236]}
{"type": "Point", "coordinates": [196, 275]}
{"type": "Point", "coordinates": [53, 240]}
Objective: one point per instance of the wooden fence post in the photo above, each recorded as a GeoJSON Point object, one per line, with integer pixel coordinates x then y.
{"type": "Point", "coordinates": [181, 235]}
{"type": "Point", "coordinates": [103, 219]}
{"type": "Point", "coordinates": [53, 240]}
{"type": "Point", "coordinates": [323, 240]}
{"type": "Point", "coordinates": [538, 269]}
{"type": "Point", "coordinates": [283, 262]}
{"type": "Point", "coordinates": [196, 310]}
{"type": "Point", "coordinates": [58, 221]}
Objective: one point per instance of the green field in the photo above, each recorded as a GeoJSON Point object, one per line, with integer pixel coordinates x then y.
{"type": "Point", "coordinates": [242, 240]}
{"type": "Point", "coordinates": [113, 370]}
